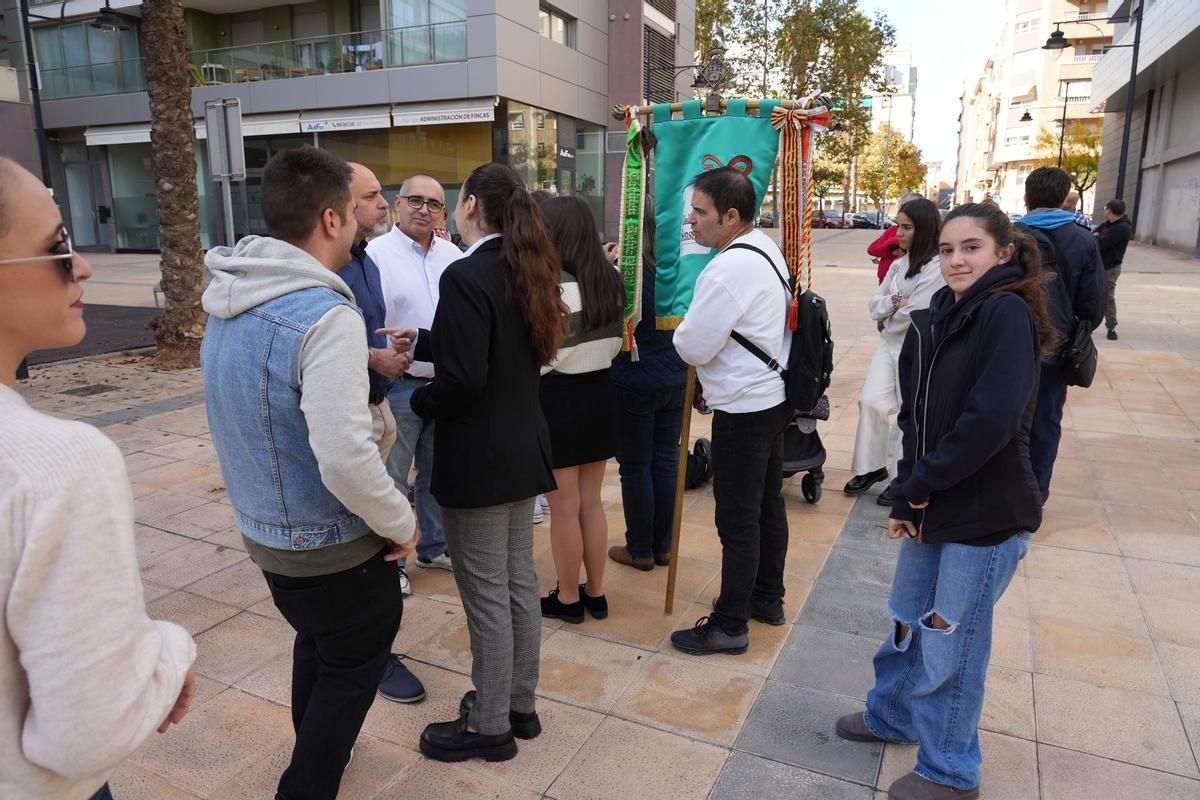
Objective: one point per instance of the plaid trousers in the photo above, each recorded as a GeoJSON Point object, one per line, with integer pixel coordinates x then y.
{"type": "Point", "coordinates": [492, 550]}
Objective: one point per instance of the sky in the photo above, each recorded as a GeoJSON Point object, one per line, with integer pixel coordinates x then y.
{"type": "Point", "coordinates": [950, 41]}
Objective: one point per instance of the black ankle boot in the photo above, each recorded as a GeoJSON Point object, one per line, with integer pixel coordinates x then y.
{"type": "Point", "coordinates": [553, 608]}
{"type": "Point", "coordinates": [598, 606]}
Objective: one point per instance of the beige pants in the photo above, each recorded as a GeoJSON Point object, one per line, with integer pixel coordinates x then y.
{"type": "Point", "coordinates": [383, 427]}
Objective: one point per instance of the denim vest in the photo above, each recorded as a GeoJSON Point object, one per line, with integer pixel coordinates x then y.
{"type": "Point", "coordinates": [251, 368]}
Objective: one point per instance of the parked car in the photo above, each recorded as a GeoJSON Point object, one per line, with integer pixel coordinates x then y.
{"type": "Point", "coordinates": [869, 219]}
{"type": "Point", "coordinates": [831, 218]}
{"type": "Point", "coordinates": [766, 221]}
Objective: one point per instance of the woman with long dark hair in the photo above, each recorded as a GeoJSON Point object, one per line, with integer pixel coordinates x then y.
{"type": "Point", "coordinates": [577, 399]}
{"type": "Point", "coordinates": [499, 321]}
{"type": "Point", "coordinates": [909, 284]}
{"type": "Point", "coordinates": [967, 501]}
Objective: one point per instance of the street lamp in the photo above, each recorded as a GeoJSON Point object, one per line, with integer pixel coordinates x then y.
{"type": "Point", "coordinates": [1058, 42]}
{"type": "Point", "coordinates": [109, 20]}
{"type": "Point", "coordinates": [709, 77]}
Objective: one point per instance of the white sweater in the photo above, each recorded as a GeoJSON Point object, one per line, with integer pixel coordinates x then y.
{"type": "Point", "coordinates": [85, 675]}
{"type": "Point", "coordinates": [917, 290]}
{"type": "Point", "coordinates": [738, 290]}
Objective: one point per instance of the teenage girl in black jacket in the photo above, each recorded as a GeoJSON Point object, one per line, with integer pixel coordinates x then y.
{"type": "Point", "coordinates": [967, 501]}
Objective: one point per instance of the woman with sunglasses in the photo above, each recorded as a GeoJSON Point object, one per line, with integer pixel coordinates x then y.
{"type": "Point", "coordinates": [85, 675]}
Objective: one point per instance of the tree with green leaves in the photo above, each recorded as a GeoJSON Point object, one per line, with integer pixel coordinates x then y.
{"type": "Point", "coordinates": [834, 47]}
{"type": "Point", "coordinates": [754, 47]}
{"type": "Point", "coordinates": [826, 176]}
{"type": "Point", "coordinates": [903, 172]}
{"type": "Point", "coordinates": [713, 19]}
{"type": "Point", "coordinates": [1080, 151]}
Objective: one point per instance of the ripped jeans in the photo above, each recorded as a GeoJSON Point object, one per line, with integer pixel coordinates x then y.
{"type": "Point", "coordinates": [929, 675]}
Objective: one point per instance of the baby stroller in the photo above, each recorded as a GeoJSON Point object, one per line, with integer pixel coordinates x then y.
{"type": "Point", "coordinates": [803, 451]}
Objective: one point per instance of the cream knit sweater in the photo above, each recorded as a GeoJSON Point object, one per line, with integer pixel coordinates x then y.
{"type": "Point", "coordinates": [85, 675]}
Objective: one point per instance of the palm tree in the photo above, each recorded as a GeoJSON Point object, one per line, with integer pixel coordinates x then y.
{"type": "Point", "coordinates": [180, 327]}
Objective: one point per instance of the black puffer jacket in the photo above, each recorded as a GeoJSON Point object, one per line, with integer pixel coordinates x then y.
{"type": "Point", "coordinates": [968, 381]}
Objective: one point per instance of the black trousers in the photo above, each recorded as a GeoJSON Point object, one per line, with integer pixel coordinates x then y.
{"type": "Point", "coordinates": [747, 460]}
{"type": "Point", "coordinates": [345, 623]}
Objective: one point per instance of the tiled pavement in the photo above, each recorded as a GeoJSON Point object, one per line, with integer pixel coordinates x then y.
{"type": "Point", "coordinates": [1094, 690]}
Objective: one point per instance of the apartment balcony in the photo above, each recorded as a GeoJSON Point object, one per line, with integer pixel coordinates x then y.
{"type": "Point", "coordinates": [360, 51]}
{"type": "Point", "coordinates": [10, 90]}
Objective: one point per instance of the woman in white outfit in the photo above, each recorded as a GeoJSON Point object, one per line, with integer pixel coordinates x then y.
{"type": "Point", "coordinates": [909, 284]}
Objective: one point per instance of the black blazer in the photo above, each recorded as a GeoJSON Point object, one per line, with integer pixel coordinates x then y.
{"type": "Point", "coordinates": [491, 444]}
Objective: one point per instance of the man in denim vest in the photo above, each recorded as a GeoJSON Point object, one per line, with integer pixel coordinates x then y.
{"type": "Point", "coordinates": [286, 387]}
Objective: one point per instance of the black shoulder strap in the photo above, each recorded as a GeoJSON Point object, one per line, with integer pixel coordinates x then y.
{"type": "Point", "coordinates": [754, 349]}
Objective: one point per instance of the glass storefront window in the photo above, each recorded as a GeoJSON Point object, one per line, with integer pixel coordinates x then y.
{"type": "Point", "coordinates": [425, 31]}
{"type": "Point", "coordinates": [531, 144]}
{"type": "Point", "coordinates": [76, 59]}
{"type": "Point", "coordinates": [589, 167]}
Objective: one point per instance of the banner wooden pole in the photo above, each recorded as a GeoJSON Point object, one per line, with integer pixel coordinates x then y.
{"type": "Point", "coordinates": [677, 520]}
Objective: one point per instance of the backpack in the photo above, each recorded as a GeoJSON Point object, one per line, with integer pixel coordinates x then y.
{"type": "Point", "coordinates": [810, 361]}
{"type": "Point", "coordinates": [1076, 352]}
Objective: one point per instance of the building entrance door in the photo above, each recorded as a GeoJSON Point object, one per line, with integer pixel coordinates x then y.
{"type": "Point", "coordinates": [87, 201]}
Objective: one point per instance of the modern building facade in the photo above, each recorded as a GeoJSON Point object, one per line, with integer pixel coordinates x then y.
{"type": "Point", "coordinates": [16, 114]}
{"type": "Point", "coordinates": [1024, 89]}
{"type": "Point", "coordinates": [403, 86]}
{"type": "Point", "coordinates": [1162, 182]}
{"type": "Point", "coordinates": [899, 108]}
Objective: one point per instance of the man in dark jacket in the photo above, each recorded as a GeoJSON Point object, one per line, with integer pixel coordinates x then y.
{"type": "Point", "coordinates": [1070, 254]}
{"type": "Point", "coordinates": [1113, 237]}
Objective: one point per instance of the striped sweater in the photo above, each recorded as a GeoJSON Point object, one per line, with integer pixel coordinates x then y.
{"type": "Point", "coordinates": [581, 351]}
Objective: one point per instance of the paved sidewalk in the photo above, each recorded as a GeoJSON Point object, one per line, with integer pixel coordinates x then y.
{"type": "Point", "coordinates": [1094, 690]}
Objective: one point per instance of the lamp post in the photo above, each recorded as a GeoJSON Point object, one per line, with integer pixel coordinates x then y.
{"type": "Point", "coordinates": [1058, 42]}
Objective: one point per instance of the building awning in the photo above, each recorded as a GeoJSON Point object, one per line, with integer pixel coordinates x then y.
{"type": "Point", "coordinates": [260, 125]}
{"type": "Point", "coordinates": [117, 134]}
{"type": "Point", "coordinates": [449, 113]}
{"type": "Point", "coordinates": [345, 119]}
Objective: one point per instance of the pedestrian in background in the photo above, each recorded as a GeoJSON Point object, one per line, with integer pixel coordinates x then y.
{"type": "Point", "coordinates": [1113, 237]}
{"type": "Point", "coordinates": [1076, 292]}
{"type": "Point", "coordinates": [85, 675]}
{"type": "Point", "coordinates": [577, 401]}
{"type": "Point", "coordinates": [966, 502]}
{"type": "Point", "coordinates": [499, 320]}
{"type": "Point", "coordinates": [649, 398]}
{"type": "Point", "coordinates": [1071, 204]}
{"type": "Point", "coordinates": [909, 285]}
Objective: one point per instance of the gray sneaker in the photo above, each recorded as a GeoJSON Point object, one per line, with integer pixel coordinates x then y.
{"type": "Point", "coordinates": [853, 727]}
{"type": "Point", "coordinates": [437, 562]}
{"type": "Point", "coordinates": [913, 787]}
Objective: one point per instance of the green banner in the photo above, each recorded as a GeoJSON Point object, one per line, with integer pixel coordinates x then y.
{"type": "Point", "coordinates": [686, 147]}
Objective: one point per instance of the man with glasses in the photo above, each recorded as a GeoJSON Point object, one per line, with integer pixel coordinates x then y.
{"type": "Point", "coordinates": [411, 260]}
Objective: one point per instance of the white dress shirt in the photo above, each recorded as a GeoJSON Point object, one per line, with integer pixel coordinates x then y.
{"type": "Point", "coordinates": [409, 278]}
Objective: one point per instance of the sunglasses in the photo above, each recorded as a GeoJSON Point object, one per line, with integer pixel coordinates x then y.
{"type": "Point", "coordinates": [67, 259]}
{"type": "Point", "coordinates": [415, 201]}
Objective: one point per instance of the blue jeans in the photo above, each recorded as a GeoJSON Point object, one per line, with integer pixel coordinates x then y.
{"type": "Point", "coordinates": [1046, 430]}
{"type": "Point", "coordinates": [103, 794]}
{"type": "Point", "coordinates": [414, 436]}
{"type": "Point", "coordinates": [648, 426]}
{"type": "Point", "coordinates": [929, 681]}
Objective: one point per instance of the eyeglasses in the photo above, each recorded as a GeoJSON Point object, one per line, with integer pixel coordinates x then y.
{"type": "Point", "coordinates": [415, 201]}
{"type": "Point", "coordinates": [67, 258]}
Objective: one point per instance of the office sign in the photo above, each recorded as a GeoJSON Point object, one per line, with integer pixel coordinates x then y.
{"type": "Point", "coordinates": [444, 116]}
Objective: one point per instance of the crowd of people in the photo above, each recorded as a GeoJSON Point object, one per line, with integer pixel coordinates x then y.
{"type": "Point", "coordinates": [491, 376]}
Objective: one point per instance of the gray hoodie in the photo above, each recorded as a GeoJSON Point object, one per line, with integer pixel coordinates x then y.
{"type": "Point", "coordinates": [333, 373]}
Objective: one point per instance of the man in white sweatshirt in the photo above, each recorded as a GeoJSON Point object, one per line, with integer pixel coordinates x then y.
{"type": "Point", "coordinates": [285, 373]}
{"type": "Point", "coordinates": [744, 288]}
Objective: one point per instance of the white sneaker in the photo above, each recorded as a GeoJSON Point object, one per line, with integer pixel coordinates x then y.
{"type": "Point", "coordinates": [538, 517]}
{"type": "Point", "coordinates": [543, 503]}
{"type": "Point", "coordinates": [437, 562]}
{"type": "Point", "coordinates": [405, 583]}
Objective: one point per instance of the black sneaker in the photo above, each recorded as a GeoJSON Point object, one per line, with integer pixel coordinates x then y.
{"type": "Point", "coordinates": [885, 498]}
{"type": "Point", "coordinates": [524, 725]}
{"type": "Point", "coordinates": [598, 606]}
{"type": "Point", "coordinates": [451, 741]}
{"type": "Point", "coordinates": [1112, 334]}
{"type": "Point", "coordinates": [553, 608]}
{"type": "Point", "coordinates": [706, 637]}
{"type": "Point", "coordinates": [774, 617]}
